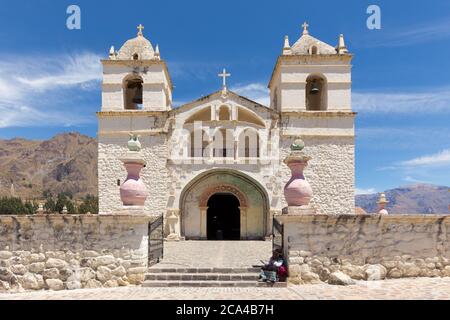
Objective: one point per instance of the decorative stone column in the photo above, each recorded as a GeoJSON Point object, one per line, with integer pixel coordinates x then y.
{"type": "Point", "coordinates": [133, 191]}
{"type": "Point", "coordinates": [382, 202]}
{"type": "Point", "coordinates": [203, 222]}
{"type": "Point", "coordinates": [172, 219]}
{"type": "Point", "coordinates": [244, 226]}
{"type": "Point", "coordinates": [298, 192]}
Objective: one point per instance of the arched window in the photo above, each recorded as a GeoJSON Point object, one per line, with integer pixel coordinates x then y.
{"type": "Point", "coordinates": [224, 113]}
{"type": "Point", "coordinates": [133, 86]}
{"type": "Point", "coordinates": [314, 50]}
{"type": "Point", "coordinates": [223, 144]}
{"type": "Point", "coordinates": [135, 56]}
{"type": "Point", "coordinates": [249, 144]}
{"type": "Point", "coordinates": [199, 142]}
{"type": "Point", "coordinates": [316, 93]}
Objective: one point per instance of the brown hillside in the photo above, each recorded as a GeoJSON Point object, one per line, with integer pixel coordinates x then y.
{"type": "Point", "coordinates": [65, 163]}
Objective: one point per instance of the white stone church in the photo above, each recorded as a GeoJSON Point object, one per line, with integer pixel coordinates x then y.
{"type": "Point", "coordinates": [216, 163]}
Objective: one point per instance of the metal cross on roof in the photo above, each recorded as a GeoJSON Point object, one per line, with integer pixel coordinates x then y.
{"type": "Point", "coordinates": [305, 26]}
{"type": "Point", "coordinates": [140, 27]}
{"type": "Point", "coordinates": [224, 76]}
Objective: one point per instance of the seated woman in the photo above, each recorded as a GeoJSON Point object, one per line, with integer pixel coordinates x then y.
{"type": "Point", "coordinates": [275, 270]}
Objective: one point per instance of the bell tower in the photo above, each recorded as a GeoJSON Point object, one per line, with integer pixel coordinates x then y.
{"type": "Point", "coordinates": [136, 99]}
{"type": "Point", "coordinates": [136, 78]}
{"type": "Point", "coordinates": [310, 87]}
{"type": "Point", "coordinates": [312, 75]}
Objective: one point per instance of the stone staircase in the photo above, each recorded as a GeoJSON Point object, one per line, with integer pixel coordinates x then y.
{"type": "Point", "coordinates": [159, 276]}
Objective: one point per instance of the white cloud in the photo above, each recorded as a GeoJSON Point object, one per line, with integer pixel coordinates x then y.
{"type": "Point", "coordinates": [31, 88]}
{"type": "Point", "coordinates": [68, 71]}
{"type": "Point", "coordinates": [432, 101]}
{"type": "Point", "coordinates": [414, 180]}
{"type": "Point", "coordinates": [413, 35]}
{"type": "Point", "coordinates": [429, 169]}
{"type": "Point", "coordinates": [437, 159]}
{"type": "Point", "coordinates": [414, 101]}
{"type": "Point", "coordinates": [255, 91]}
{"type": "Point", "coordinates": [365, 191]}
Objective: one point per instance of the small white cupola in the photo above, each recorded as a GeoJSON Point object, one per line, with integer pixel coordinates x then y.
{"type": "Point", "coordinates": [138, 48]}
{"type": "Point", "coordinates": [308, 45]}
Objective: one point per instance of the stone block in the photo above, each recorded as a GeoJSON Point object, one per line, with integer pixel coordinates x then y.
{"type": "Point", "coordinates": [5, 255]}
{"type": "Point", "coordinates": [104, 260]}
{"type": "Point", "coordinates": [395, 273]}
{"type": "Point", "coordinates": [6, 274]}
{"type": "Point", "coordinates": [73, 285]}
{"type": "Point", "coordinates": [36, 267]}
{"type": "Point", "coordinates": [119, 271]}
{"type": "Point", "coordinates": [92, 284]}
{"type": "Point", "coordinates": [103, 274]}
{"type": "Point", "coordinates": [56, 263]}
{"type": "Point", "coordinates": [51, 273]}
{"type": "Point", "coordinates": [340, 278]}
{"type": "Point", "coordinates": [37, 257]}
{"type": "Point", "coordinates": [54, 284]}
{"type": "Point", "coordinates": [111, 284]}
{"type": "Point", "coordinates": [85, 274]}
{"type": "Point", "coordinates": [32, 281]}
{"type": "Point", "coordinates": [375, 272]}
{"type": "Point", "coordinates": [18, 269]}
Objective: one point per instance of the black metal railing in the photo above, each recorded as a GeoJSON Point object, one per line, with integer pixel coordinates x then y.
{"type": "Point", "coordinates": [155, 241]}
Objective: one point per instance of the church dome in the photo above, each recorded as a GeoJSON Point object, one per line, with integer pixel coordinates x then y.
{"type": "Point", "coordinates": [138, 48]}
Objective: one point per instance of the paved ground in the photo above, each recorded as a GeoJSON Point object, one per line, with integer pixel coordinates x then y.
{"type": "Point", "coordinates": [215, 253]}
{"type": "Point", "coordinates": [421, 288]}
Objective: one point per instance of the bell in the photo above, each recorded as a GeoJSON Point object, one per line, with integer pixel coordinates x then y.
{"type": "Point", "coordinates": [137, 99]}
{"type": "Point", "coordinates": [314, 88]}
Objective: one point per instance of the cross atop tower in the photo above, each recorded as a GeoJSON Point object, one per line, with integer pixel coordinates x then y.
{"type": "Point", "coordinates": [224, 76]}
{"type": "Point", "coordinates": [140, 27]}
{"type": "Point", "coordinates": [305, 26]}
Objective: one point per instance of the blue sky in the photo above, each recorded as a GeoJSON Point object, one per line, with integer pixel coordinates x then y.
{"type": "Point", "coordinates": [50, 76]}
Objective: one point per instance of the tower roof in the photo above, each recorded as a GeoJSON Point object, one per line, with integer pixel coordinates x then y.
{"type": "Point", "coordinates": [138, 45]}
{"type": "Point", "coordinates": [304, 45]}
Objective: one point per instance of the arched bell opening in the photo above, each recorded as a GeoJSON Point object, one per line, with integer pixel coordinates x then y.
{"type": "Point", "coordinates": [133, 92]}
{"type": "Point", "coordinates": [316, 93]}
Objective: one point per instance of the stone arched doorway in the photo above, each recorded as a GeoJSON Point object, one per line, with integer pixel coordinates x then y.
{"type": "Point", "coordinates": [195, 206]}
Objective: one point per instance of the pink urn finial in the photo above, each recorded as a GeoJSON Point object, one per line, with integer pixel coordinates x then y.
{"type": "Point", "coordinates": [133, 191]}
{"type": "Point", "coordinates": [298, 192]}
{"type": "Point", "coordinates": [382, 202]}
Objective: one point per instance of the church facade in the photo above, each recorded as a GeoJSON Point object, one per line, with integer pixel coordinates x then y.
{"type": "Point", "coordinates": [215, 165]}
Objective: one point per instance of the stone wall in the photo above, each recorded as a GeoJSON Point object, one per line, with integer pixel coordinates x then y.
{"type": "Point", "coordinates": [330, 172]}
{"type": "Point", "coordinates": [326, 248]}
{"type": "Point", "coordinates": [110, 169]}
{"type": "Point", "coordinates": [60, 252]}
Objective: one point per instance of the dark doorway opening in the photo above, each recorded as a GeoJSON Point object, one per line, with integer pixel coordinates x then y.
{"type": "Point", "coordinates": [223, 218]}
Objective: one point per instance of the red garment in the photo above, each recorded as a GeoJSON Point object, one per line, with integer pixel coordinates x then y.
{"type": "Point", "coordinates": [282, 272]}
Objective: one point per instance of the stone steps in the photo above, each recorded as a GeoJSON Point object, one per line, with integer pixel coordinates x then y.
{"type": "Point", "coordinates": [157, 269]}
{"type": "Point", "coordinates": [158, 276]}
{"type": "Point", "coordinates": [203, 276]}
{"type": "Point", "coordinates": [201, 283]}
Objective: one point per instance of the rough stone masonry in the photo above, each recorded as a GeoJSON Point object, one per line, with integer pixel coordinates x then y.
{"type": "Point", "coordinates": [60, 252]}
{"type": "Point", "coordinates": [337, 249]}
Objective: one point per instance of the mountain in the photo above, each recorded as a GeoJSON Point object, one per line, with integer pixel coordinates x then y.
{"type": "Point", "coordinates": [65, 163]}
{"type": "Point", "coordinates": [68, 163]}
{"type": "Point", "coordinates": [412, 199]}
